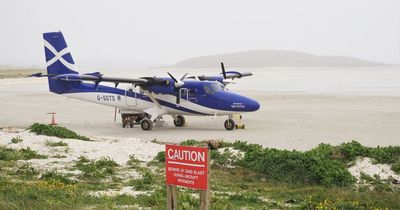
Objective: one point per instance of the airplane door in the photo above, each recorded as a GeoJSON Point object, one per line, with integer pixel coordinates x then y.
{"type": "Point", "coordinates": [130, 96]}
{"type": "Point", "coordinates": [184, 94]}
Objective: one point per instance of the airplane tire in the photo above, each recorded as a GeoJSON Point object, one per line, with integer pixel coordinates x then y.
{"type": "Point", "coordinates": [146, 124]}
{"type": "Point", "coordinates": [180, 122]}
{"type": "Point", "coordinates": [229, 124]}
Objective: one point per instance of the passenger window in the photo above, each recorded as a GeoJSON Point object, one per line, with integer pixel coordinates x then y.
{"type": "Point", "coordinates": [192, 91]}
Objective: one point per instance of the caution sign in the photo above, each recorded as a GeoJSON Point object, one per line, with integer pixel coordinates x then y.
{"type": "Point", "coordinates": [187, 166]}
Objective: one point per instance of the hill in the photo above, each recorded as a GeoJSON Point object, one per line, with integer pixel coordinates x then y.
{"type": "Point", "coordinates": [266, 58]}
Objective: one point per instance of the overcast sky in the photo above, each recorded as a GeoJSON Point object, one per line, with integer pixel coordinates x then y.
{"type": "Point", "coordinates": [165, 32]}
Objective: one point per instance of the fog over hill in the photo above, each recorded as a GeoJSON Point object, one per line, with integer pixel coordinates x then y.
{"type": "Point", "coordinates": [266, 58]}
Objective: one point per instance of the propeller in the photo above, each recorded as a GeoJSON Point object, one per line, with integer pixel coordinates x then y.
{"type": "Point", "coordinates": [178, 84]}
{"type": "Point", "coordinates": [223, 70]}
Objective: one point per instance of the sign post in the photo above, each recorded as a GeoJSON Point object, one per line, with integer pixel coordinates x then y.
{"type": "Point", "coordinates": [187, 166]}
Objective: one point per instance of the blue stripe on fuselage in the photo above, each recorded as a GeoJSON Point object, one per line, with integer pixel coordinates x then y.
{"type": "Point", "coordinates": [89, 88]}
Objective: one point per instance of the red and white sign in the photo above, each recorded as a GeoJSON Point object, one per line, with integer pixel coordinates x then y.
{"type": "Point", "coordinates": [187, 166]}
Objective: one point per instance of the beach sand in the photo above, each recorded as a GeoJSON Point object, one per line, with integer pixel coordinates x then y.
{"type": "Point", "coordinates": [286, 119]}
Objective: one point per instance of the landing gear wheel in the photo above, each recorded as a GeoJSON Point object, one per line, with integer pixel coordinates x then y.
{"type": "Point", "coordinates": [229, 124]}
{"type": "Point", "coordinates": [146, 124]}
{"type": "Point", "coordinates": [180, 121]}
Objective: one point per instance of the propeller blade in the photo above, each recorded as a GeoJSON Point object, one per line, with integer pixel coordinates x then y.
{"type": "Point", "coordinates": [223, 70]}
{"type": "Point", "coordinates": [178, 83]}
{"type": "Point", "coordinates": [173, 78]}
{"type": "Point", "coordinates": [184, 76]}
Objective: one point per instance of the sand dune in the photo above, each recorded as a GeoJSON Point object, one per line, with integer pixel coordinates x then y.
{"type": "Point", "coordinates": [266, 58]}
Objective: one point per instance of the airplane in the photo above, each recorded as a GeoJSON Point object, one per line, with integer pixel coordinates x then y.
{"type": "Point", "coordinates": [147, 99]}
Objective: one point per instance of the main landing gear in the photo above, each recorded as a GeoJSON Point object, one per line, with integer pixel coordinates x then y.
{"type": "Point", "coordinates": [146, 124]}
{"type": "Point", "coordinates": [230, 123]}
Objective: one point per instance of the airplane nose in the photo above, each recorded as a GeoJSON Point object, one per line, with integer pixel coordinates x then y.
{"type": "Point", "coordinates": [252, 105]}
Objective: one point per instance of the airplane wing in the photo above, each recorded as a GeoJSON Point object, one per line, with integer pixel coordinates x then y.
{"type": "Point", "coordinates": [97, 78]}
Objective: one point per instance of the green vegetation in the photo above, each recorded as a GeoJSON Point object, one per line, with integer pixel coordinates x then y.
{"type": "Point", "coordinates": [8, 154]}
{"type": "Point", "coordinates": [92, 169]}
{"type": "Point", "coordinates": [160, 157]}
{"type": "Point", "coordinates": [249, 182]}
{"type": "Point", "coordinates": [59, 156]}
{"type": "Point", "coordinates": [16, 140]}
{"type": "Point", "coordinates": [56, 144]}
{"type": "Point", "coordinates": [53, 176]}
{"type": "Point", "coordinates": [145, 183]}
{"type": "Point", "coordinates": [26, 171]}
{"type": "Point", "coordinates": [58, 131]}
{"type": "Point", "coordinates": [324, 165]}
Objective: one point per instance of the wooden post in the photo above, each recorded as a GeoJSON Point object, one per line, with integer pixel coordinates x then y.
{"type": "Point", "coordinates": [172, 200]}
{"type": "Point", "coordinates": [205, 194]}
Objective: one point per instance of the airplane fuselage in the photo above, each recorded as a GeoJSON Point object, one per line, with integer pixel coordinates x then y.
{"type": "Point", "coordinates": [196, 98]}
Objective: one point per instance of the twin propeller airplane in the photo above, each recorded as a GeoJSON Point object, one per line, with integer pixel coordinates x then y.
{"type": "Point", "coordinates": [147, 99]}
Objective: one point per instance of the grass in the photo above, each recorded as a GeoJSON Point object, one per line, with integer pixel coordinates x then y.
{"type": "Point", "coordinates": [56, 144]}
{"type": "Point", "coordinates": [59, 156]}
{"type": "Point", "coordinates": [16, 140]}
{"type": "Point", "coordinates": [146, 182]}
{"type": "Point", "coordinates": [239, 187]}
{"type": "Point", "coordinates": [53, 176]}
{"type": "Point", "coordinates": [92, 169]}
{"type": "Point", "coordinates": [58, 131]}
{"type": "Point", "coordinates": [8, 154]}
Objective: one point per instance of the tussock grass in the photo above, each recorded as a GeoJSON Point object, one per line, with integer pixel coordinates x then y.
{"type": "Point", "coordinates": [96, 169]}
{"type": "Point", "coordinates": [16, 140]}
{"type": "Point", "coordinates": [56, 144]}
{"type": "Point", "coordinates": [9, 154]}
{"type": "Point", "coordinates": [58, 131]}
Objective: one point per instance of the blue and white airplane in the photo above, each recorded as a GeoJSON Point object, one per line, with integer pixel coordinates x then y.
{"type": "Point", "coordinates": [146, 99]}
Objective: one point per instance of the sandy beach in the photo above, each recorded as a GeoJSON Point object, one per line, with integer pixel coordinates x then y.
{"type": "Point", "coordinates": [287, 119]}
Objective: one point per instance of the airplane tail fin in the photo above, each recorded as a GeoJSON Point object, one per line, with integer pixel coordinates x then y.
{"type": "Point", "coordinates": [58, 59]}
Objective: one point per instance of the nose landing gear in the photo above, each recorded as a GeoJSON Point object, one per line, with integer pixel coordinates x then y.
{"type": "Point", "coordinates": [230, 123]}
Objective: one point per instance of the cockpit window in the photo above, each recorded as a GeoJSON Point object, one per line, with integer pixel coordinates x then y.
{"type": "Point", "coordinates": [211, 89]}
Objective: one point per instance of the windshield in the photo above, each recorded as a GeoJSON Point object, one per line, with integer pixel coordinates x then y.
{"type": "Point", "coordinates": [212, 88]}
